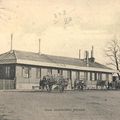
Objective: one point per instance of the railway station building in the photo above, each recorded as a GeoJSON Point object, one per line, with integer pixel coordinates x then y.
{"type": "Point", "coordinates": [23, 70]}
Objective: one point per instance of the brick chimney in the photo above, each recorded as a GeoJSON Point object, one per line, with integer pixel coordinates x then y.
{"type": "Point", "coordinates": [92, 59]}
{"type": "Point", "coordinates": [79, 53]}
{"type": "Point", "coordinates": [86, 58]}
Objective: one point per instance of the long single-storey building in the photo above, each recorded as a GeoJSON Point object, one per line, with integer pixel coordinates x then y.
{"type": "Point", "coordinates": [22, 70]}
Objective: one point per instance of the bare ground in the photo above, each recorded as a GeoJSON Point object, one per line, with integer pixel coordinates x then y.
{"type": "Point", "coordinates": [70, 105]}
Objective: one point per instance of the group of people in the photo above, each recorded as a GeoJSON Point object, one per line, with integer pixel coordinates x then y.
{"type": "Point", "coordinates": [49, 81]}
{"type": "Point", "coordinates": [60, 83]}
{"type": "Point", "coordinates": [79, 84]}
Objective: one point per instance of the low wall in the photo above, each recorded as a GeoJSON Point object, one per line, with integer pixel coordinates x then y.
{"type": "Point", "coordinates": [25, 86]}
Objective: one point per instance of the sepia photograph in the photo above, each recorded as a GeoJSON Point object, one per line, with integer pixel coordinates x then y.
{"type": "Point", "coordinates": [59, 59]}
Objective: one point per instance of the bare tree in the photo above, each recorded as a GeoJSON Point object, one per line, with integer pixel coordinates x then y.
{"type": "Point", "coordinates": [113, 53]}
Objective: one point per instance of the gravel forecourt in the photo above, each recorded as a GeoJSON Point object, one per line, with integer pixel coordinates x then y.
{"type": "Point", "coordinates": [70, 105]}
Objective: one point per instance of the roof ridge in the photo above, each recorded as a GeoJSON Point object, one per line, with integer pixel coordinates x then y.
{"type": "Point", "coordinates": [4, 55]}
{"type": "Point", "coordinates": [25, 51]}
{"type": "Point", "coordinates": [15, 55]}
{"type": "Point", "coordinates": [47, 54]}
{"type": "Point", "coordinates": [62, 56]}
{"type": "Point", "coordinates": [28, 55]}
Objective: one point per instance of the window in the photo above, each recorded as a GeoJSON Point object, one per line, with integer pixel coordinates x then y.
{"type": "Point", "coordinates": [103, 76]}
{"type": "Point", "coordinates": [54, 72]}
{"type": "Point", "coordinates": [44, 72]}
{"type": "Point", "coordinates": [60, 72]}
{"type": "Point", "coordinates": [26, 72]}
{"type": "Point", "coordinates": [7, 71]}
{"type": "Point", "coordinates": [99, 76]}
{"type": "Point", "coordinates": [68, 74]}
{"type": "Point", "coordinates": [82, 75]}
{"type": "Point", "coordinates": [88, 76]}
{"type": "Point", "coordinates": [96, 76]}
{"type": "Point", "coordinates": [107, 76]}
{"type": "Point", "coordinates": [65, 73]}
{"type": "Point", "coordinates": [77, 75]}
{"type": "Point", "coordinates": [38, 72]}
{"type": "Point", "coordinates": [49, 71]}
{"type": "Point", "coordinates": [110, 77]}
{"type": "Point", "coordinates": [74, 75]}
{"type": "Point", "coordinates": [92, 76]}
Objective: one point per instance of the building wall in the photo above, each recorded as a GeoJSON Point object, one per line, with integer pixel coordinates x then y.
{"type": "Point", "coordinates": [6, 84]}
{"type": "Point", "coordinates": [22, 80]}
{"type": "Point", "coordinates": [28, 76]}
{"type": "Point", "coordinates": [7, 76]}
{"type": "Point", "coordinates": [7, 71]}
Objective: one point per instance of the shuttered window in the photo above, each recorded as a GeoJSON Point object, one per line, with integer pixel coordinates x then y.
{"type": "Point", "coordinates": [26, 72]}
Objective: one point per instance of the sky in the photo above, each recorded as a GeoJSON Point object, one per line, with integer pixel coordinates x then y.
{"type": "Point", "coordinates": [64, 26]}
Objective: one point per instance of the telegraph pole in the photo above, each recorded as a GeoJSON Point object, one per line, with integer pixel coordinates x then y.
{"type": "Point", "coordinates": [79, 53]}
{"type": "Point", "coordinates": [11, 42]}
{"type": "Point", "coordinates": [39, 46]}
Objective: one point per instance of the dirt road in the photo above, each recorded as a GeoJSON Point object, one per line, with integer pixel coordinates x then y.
{"type": "Point", "coordinates": [87, 105]}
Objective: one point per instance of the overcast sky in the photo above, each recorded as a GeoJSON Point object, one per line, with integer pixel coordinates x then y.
{"type": "Point", "coordinates": [89, 22]}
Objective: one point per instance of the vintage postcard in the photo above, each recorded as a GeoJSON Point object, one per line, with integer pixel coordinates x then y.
{"type": "Point", "coordinates": [59, 59]}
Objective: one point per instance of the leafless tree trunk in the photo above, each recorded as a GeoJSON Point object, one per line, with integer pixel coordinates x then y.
{"type": "Point", "coordinates": [113, 53]}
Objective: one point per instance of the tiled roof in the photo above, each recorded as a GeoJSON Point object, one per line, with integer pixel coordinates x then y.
{"type": "Point", "coordinates": [56, 59]}
{"type": "Point", "coordinates": [8, 57]}
{"type": "Point", "coordinates": [22, 55]}
{"type": "Point", "coordinates": [15, 54]}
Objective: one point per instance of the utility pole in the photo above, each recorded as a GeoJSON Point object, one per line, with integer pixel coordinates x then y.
{"type": "Point", "coordinates": [79, 53]}
{"type": "Point", "coordinates": [39, 46]}
{"type": "Point", "coordinates": [92, 52]}
{"type": "Point", "coordinates": [11, 42]}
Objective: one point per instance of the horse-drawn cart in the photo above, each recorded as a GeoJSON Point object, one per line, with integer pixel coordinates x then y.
{"type": "Point", "coordinates": [50, 83]}
{"type": "Point", "coordinates": [79, 84]}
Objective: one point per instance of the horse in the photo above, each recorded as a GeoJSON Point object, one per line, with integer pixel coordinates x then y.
{"type": "Point", "coordinates": [117, 84]}
{"type": "Point", "coordinates": [47, 82]}
{"type": "Point", "coordinates": [79, 84]}
{"type": "Point", "coordinates": [61, 83]}
{"type": "Point", "coordinates": [114, 84]}
{"type": "Point", "coordinates": [102, 84]}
